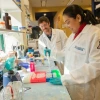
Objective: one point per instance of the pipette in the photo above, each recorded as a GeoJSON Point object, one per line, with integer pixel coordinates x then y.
{"type": "Point", "coordinates": [47, 53]}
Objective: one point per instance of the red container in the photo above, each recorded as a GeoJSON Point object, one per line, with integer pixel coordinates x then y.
{"type": "Point", "coordinates": [32, 66]}
{"type": "Point", "coordinates": [38, 77]}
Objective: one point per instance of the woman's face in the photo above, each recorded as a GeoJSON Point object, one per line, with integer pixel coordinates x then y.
{"type": "Point", "coordinates": [71, 23]}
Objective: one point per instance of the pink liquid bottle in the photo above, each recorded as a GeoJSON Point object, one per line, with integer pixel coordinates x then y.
{"type": "Point", "coordinates": [32, 66]}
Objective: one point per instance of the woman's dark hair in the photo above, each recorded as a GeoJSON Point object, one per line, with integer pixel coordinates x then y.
{"type": "Point", "coordinates": [43, 19]}
{"type": "Point", "coordinates": [86, 15]}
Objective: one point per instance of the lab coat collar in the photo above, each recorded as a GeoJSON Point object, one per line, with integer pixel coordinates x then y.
{"type": "Point", "coordinates": [53, 34]}
{"type": "Point", "coordinates": [79, 30]}
{"type": "Point", "coordinates": [84, 31]}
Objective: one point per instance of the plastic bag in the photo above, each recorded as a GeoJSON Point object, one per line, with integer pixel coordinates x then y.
{"type": "Point", "coordinates": [9, 63]}
{"type": "Point", "coordinates": [13, 91]}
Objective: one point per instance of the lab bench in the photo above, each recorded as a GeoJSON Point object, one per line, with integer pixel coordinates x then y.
{"type": "Point", "coordinates": [45, 91]}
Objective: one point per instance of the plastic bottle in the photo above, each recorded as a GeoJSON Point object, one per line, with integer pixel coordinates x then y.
{"type": "Point", "coordinates": [7, 20]}
{"type": "Point", "coordinates": [45, 62]}
{"type": "Point", "coordinates": [32, 66]}
{"type": "Point", "coordinates": [18, 3]}
{"type": "Point", "coordinates": [2, 24]}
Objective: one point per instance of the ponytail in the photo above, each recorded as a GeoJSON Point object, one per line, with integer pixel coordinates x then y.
{"type": "Point", "coordinates": [89, 17]}
{"type": "Point", "coordinates": [86, 15]}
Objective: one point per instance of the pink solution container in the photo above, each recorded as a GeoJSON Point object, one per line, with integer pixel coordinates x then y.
{"type": "Point", "coordinates": [32, 66]}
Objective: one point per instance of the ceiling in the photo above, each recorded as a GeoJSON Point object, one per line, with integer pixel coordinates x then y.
{"type": "Point", "coordinates": [54, 3]}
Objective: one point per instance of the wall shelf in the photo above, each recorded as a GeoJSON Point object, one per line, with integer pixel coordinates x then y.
{"type": "Point", "coordinates": [27, 9]}
{"type": "Point", "coordinates": [9, 6]}
{"type": "Point", "coordinates": [9, 31]}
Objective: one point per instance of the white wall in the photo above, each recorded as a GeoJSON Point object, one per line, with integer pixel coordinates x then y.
{"type": "Point", "coordinates": [16, 19]}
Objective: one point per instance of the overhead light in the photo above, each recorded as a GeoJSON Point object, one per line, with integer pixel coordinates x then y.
{"type": "Point", "coordinates": [70, 2]}
{"type": "Point", "coordinates": [43, 3]}
{"type": "Point", "coordinates": [97, 6]}
{"type": "Point", "coordinates": [44, 14]}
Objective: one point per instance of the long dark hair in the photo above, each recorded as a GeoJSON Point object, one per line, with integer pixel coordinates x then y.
{"type": "Point", "coordinates": [86, 15]}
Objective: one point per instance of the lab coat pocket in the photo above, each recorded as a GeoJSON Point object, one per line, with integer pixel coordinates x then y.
{"type": "Point", "coordinates": [79, 50]}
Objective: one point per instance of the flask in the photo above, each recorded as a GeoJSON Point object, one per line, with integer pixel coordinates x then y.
{"type": "Point", "coordinates": [7, 20]}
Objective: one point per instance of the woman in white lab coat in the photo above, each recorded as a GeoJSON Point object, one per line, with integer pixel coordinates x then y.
{"type": "Point", "coordinates": [82, 55]}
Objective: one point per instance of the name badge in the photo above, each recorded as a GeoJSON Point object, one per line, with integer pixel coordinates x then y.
{"type": "Point", "coordinates": [79, 49]}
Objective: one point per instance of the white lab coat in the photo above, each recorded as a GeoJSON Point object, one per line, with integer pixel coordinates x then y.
{"type": "Point", "coordinates": [98, 25]}
{"type": "Point", "coordinates": [82, 65]}
{"type": "Point", "coordinates": [58, 41]}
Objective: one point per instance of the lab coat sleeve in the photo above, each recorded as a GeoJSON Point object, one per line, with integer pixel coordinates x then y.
{"type": "Point", "coordinates": [88, 71]}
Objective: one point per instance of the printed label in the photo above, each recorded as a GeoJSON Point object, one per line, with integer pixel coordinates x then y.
{"type": "Point", "coordinates": [9, 22]}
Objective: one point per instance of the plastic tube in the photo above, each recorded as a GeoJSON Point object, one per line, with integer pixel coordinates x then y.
{"type": "Point", "coordinates": [48, 58]}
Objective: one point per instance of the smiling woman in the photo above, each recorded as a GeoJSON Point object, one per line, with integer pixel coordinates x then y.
{"type": "Point", "coordinates": [74, 16]}
{"type": "Point", "coordinates": [82, 54]}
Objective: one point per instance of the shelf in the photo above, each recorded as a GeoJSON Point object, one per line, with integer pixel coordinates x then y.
{"type": "Point", "coordinates": [9, 6]}
{"type": "Point", "coordinates": [27, 9]}
{"type": "Point", "coordinates": [9, 31]}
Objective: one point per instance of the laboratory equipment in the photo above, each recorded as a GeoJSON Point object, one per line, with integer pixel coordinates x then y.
{"type": "Point", "coordinates": [9, 63]}
{"type": "Point", "coordinates": [10, 76]}
{"type": "Point", "coordinates": [24, 64]}
{"type": "Point", "coordinates": [1, 75]}
{"type": "Point", "coordinates": [1, 78]}
{"type": "Point", "coordinates": [47, 53]}
{"type": "Point", "coordinates": [7, 20]}
{"type": "Point", "coordinates": [19, 49]}
{"type": "Point", "coordinates": [55, 81]}
{"type": "Point", "coordinates": [13, 91]}
{"type": "Point", "coordinates": [30, 52]}
{"type": "Point", "coordinates": [32, 66]}
{"type": "Point", "coordinates": [56, 73]}
{"type": "Point", "coordinates": [48, 76]}
{"type": "Point", "coordinates": [38, 77]}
